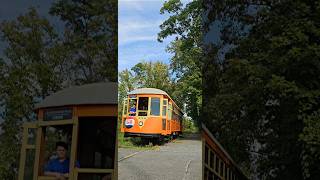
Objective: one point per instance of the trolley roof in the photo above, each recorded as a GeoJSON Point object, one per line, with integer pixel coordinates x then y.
{"type": "Point", "coordinates": [148, 91]}
{"type": "Point", "coordinates": [89, 94]}
{"type": "Point", "coordinates": [151, 91]}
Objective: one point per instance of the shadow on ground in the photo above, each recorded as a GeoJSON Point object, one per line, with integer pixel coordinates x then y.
{"type": "Point", "coordinates": [138, 141]}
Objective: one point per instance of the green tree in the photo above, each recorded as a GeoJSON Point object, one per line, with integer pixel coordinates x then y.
{"type": "Point", "coordinates": [29, 72]}
{"type": "Point", "coordinates": [152, 75]}
{"type": "Point", "coordinates": [37, 62]}
{"type": "Point", "coordinates": [311, 149]}
{"type": "Point", "coordinates": [145, 75]}
{"type": "Point", "coordinates": [266, 99]}
{"type": "Point", "coordinates": [90, 38]}
{"type": "Point", "coordinates": [126, 83]}
{"type": "Point", "coordinates": [185, 23]}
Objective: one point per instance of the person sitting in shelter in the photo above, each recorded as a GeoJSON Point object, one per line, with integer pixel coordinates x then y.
{"type": "Point", "coordinates": [59, 167]}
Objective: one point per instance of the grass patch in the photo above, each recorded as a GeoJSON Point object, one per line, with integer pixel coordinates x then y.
{"type": "Point", "coordinates": [134, 143]}
{"type": "Point", "coordinates": [189, 127]}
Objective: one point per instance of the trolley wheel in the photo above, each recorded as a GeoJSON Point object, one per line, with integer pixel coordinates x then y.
{"type": "Point", "coordinates": [145, 141]}
{"type": "Point", "coordinates": [155, 141]}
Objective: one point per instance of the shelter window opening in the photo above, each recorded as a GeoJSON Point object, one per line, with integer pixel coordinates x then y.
{"type": "Point", "coordinates": [55, 157]}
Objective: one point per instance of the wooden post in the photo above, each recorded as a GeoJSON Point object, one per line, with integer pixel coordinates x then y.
{"type": "Point", "coordinates": [203, 149]}
{"type": "Point", "coordinates": [115, 168]}
{"type": "Point", "coordinates": [73, 153]}
{"type": "Point", "coordinates": [37, 155]}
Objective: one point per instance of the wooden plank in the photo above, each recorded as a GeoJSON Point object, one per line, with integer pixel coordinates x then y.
{"type": "Point", "coordinates": [214, 172]}
{"type": "Point", "coordinates": [31, 125]}
{"type": "Point", "coordinates": [97, 110]}
{"type": "Point", "coordinates": [74, 143]}
{"type": "Point", "coordinates": [40, 115]}
{"type": "Point", "coordinates": [56, 122]}
{"type": "Point", "coordinates": [42, 152]}
{"type": "Point", "coordinates": [203, 154]}
{"type": "Point", "coordinates": [46, 178]}
{"type": "Point", "coordinates": [75, 173]}
{"type": "Point", "coordinates": [215, 147]}
{"type": "Point", "coordinates": [115, 174]}
{"type": "Point", "coordinates": [94, 171]}
{"type": "Point", "coordinates": [37, 155]}
{"type": "Point", "coordinates": [23, 154]}
{"type": "Point", "coordinates": [30, 146]}
{"type": "Point", "coordinates": [209, 156]}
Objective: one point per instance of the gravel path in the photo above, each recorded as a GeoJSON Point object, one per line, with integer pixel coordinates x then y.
{"type": "Point", "coordinates": [177, 160]}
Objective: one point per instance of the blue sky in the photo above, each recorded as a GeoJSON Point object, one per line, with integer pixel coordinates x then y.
{"type": "Point", "coordinates": [139, 22]}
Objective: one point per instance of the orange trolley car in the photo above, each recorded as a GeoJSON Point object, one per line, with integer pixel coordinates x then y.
{"type": "Point", "coordinates": [150, 113]}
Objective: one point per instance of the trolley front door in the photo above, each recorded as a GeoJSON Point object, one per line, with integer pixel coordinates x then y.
{"type": "Point", "coordinates": [28, 149]}
{"type": "Point", "coordinates": [165, 115]}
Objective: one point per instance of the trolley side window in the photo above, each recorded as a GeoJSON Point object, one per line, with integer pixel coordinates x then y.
{"type": "Point", "coordinates": [143, 106]}
{"type": "Point", "coordinates": [170, 112]}
{"type": "Point", "coordinates": [175, 115]}
{"type": "Point", "coordinates": [164, 108]}
{"type": "Point", "coordinates": [155, 107]}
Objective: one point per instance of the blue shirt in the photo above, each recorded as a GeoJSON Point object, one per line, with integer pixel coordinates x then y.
{"type": "Point", "coordinates": [132, 110]}
{"type": "Point", "coordinates": [61, 167]}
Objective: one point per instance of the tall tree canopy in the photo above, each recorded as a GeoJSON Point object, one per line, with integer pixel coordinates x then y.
{"type": "Point", "coordinates": [265, 105]}
{"type": "Point", "coordinates": [37, 62]}
{"type": "Point", "coordinates": [145, 74]}
{"type": "Point", "coordinates": [90, 38]}
{"type": "Point", "coordinates": [29, 72]}
{"type": "Point", "coordinates": [184, 23]}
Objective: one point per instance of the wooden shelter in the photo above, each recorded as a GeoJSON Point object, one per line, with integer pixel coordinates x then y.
{"type": "Point", "coordinates": [85, 117]}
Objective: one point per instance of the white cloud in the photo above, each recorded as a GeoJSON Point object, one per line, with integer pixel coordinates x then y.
{"type": "Point", "coordinates": [132, 4]}
{"type": "Point", "coordinates": [131, 30]}
{"type": "Point", "coordinates": [139, 22]}
{"type": "Point", "coordinates": [130, 39]}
